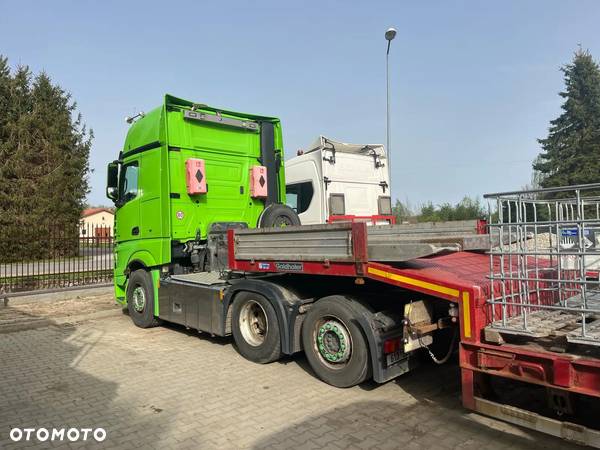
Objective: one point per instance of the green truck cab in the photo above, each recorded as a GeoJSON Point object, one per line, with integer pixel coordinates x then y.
{"type": "Point", "coordinates": [186, 174]}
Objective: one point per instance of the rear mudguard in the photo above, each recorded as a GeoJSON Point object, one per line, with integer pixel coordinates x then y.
{"type": "Point", "coordinates": [285, 302]}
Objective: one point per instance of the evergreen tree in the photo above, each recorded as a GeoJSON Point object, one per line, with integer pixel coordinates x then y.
{"type": "Point", "coordinates": [571, 152]}
{"type": "Point", "coordinates": [14, 144]}
{"type": "Point", "coordinates": [44, 152]}
{"type": "Point", "coordinates": [5, 81]}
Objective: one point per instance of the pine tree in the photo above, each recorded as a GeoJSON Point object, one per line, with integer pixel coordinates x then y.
{"type": "Point", "coordinates": [13, 147]}
{"type": "Point", "coordinates": [5, 153]}
{"type": "Point", "coordinates": [44, 152]}
{"type": "Point", "coordinates": [571, 152]}
{"type": "Point", "coordinates": [4, 96]}
{"type": "Point", "coordinates": [64, 150]}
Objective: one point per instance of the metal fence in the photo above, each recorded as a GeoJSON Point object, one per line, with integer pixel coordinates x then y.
{"type": "Point", "coordinates": [58, 257]}
{"type": "Point", "coordinates": [544, 273]}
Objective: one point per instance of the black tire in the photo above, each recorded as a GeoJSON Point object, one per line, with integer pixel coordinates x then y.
{"type": "Point", "coordinates": [277, 215]}
{"type": "Point", "coordinates": [352, 364]}
{"type": "Point", "coordinates": [255, 328]}
{"type": "Point", "coordinates": [141, 312]}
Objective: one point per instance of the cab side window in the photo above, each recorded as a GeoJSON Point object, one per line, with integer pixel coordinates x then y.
{"type": "Point", "coordinates": [299, 196]}
{"type": "Point", "coordinates": [129, 182]}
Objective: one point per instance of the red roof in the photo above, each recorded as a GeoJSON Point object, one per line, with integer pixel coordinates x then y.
{"type": "Point", "coordinates": [92, 211]}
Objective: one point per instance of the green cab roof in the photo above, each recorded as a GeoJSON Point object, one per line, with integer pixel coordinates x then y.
{"type": "Point", "coordinates": [149, 130]}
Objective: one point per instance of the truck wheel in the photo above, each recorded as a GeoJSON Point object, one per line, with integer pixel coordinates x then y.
{"type": "Point", "coordinates": [277, 215]}
{"type": "Point", "coordinates": [255, 328]}
{"type": "Point", "coordinates": [140, 299]}
{"type": "Point", "coordinates": [334, 344]}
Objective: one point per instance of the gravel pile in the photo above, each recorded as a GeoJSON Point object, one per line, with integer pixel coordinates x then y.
{"type": "Point", "coordinates": [543, 242]}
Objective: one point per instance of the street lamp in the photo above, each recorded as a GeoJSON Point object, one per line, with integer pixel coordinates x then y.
{"type": "Point", "coordinates": [389, 35]}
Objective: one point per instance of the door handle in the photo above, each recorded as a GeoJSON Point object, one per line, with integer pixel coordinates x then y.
{"type": "Point", "coordinates": [135, 231]}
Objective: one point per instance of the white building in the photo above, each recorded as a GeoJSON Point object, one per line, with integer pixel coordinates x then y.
{"type": "Point", "coordinates": [96, 222]}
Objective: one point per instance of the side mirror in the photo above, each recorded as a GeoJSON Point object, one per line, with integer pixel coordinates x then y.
{"type": "Point", "coordinates": [112, 181]}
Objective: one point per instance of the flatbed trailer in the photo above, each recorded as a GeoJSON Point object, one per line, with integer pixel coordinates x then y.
{"type": "Point", "coordinates": [292, 269]}
{"type": "Point", "coordinates": [459, 277]}
{"type": "Point", "coordinates": [369, 301]}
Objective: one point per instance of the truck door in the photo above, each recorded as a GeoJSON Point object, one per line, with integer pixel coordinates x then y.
{"type": "Point", "coordinates": [150, 185]}
{"type": "Point", "coordinates": [304, 191]}
{"type": "Point", "coordinates": [128, 215]}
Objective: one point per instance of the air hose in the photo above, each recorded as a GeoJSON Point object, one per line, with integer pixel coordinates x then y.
{"type": "Point", "coordinates": [433, 357]}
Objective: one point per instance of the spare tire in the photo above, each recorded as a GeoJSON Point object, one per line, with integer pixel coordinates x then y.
{"type": "Point", "coordinates": [279, 216]}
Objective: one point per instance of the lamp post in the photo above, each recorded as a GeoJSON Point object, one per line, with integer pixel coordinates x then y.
{"type": "Point", "coordinates": [390, 34]}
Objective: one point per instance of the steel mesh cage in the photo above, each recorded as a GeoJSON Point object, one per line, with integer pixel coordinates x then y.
{"type": "Point", "coordinates": [545, 263]}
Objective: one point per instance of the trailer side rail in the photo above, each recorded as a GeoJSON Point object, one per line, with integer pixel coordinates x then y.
{"type": "Point", "coordinates": [431, 281]}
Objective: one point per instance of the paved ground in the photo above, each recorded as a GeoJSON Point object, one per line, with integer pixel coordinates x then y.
{"type": "Point", "coordinates": [171, 389]}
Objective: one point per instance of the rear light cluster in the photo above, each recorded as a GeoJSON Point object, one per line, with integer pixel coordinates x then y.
{"type": "Point", "coordinates": [393, 345]}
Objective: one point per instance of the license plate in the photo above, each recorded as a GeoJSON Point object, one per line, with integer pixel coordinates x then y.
{"type": "Point", "coordinates": [393, 358]}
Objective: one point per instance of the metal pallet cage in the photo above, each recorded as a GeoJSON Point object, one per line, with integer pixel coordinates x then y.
{"type": "Point", "coordinates": [545, 263]}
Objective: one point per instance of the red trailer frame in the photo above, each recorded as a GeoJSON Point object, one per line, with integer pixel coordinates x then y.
{"type": "Point", "coordinates": [462, 278]}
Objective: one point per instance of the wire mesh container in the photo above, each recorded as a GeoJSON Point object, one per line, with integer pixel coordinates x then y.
{"type": "Point", "coordinates": [545, 263]}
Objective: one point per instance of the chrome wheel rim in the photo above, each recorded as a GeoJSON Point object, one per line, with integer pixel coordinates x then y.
{"type": "Point", "coordinates": [253, 323]}
{"type": "Point", "coordinates": [139, 299]}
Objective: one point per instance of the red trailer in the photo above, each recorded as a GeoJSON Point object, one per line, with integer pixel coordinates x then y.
{"type": "Point", "coordinates": [526, 309]}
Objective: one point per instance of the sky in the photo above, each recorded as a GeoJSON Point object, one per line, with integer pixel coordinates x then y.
{"type": "Point", "coordinates": [474, 84]}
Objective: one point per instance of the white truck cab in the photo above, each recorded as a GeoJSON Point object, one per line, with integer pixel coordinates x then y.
{"type": "Point", "coordinates": [335, 181]}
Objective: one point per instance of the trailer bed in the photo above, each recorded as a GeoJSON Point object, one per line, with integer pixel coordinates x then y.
{"type": "Point", "coordinates": [337, 242]}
